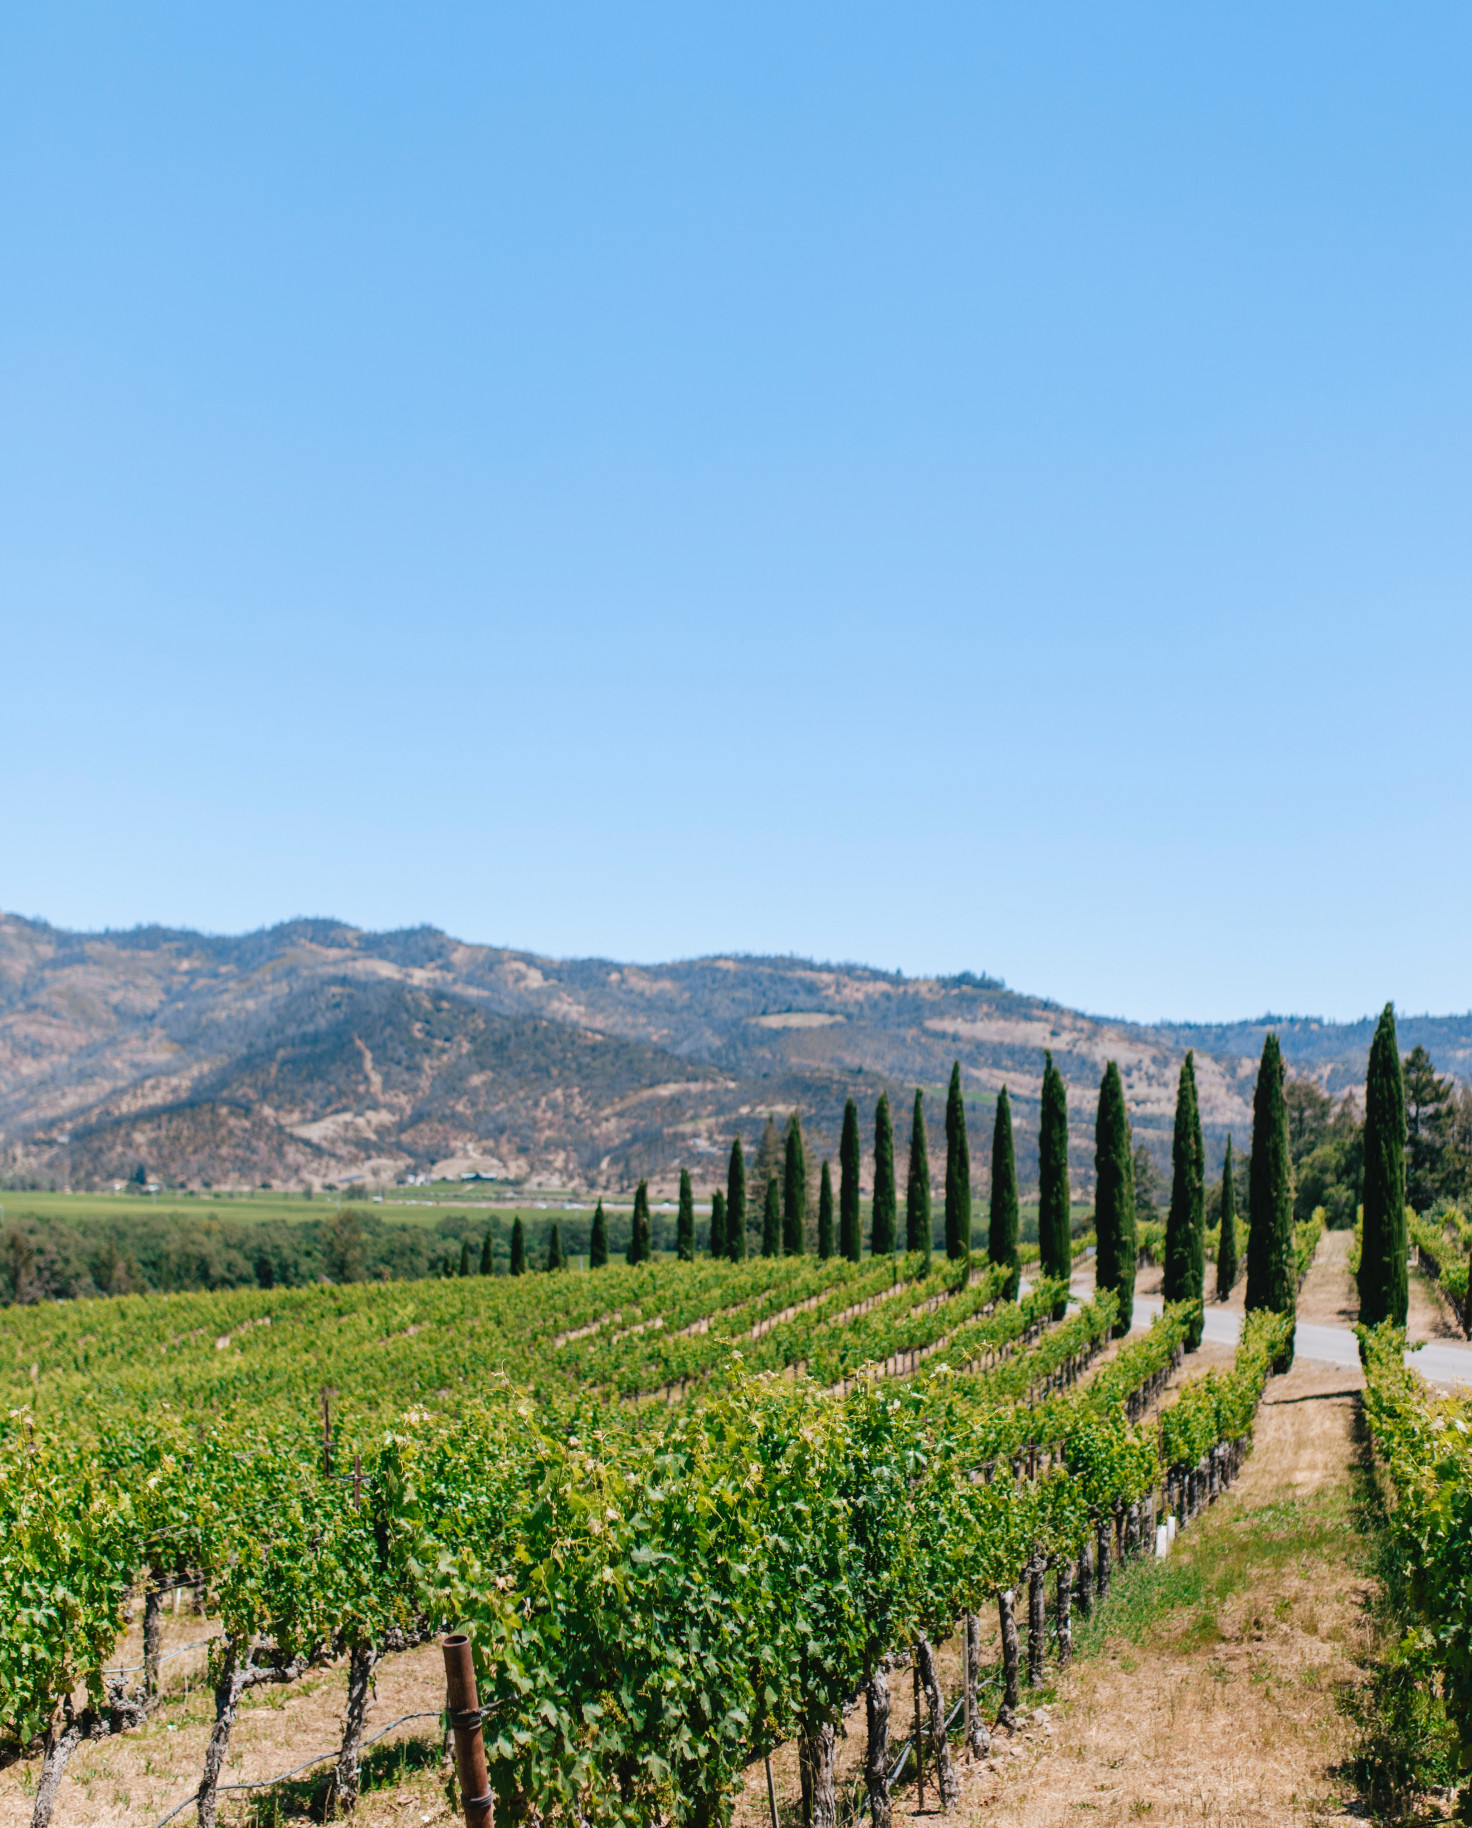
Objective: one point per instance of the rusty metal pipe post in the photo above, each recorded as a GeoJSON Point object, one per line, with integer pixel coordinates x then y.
{"type": "Point", "coordinates": [919, 1744]}
{"type": "Point", "coordinates": [470, 1751]}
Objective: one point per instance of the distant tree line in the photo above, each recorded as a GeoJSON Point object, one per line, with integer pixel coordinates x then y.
{"type": "Point", "coordinates": [169, 1252]}
{"type": "Point", "coordinates": [1412, 1147]}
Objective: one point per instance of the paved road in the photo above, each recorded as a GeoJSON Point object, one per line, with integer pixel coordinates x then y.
{"type": "Point", "coordinates": [1442, 1361]}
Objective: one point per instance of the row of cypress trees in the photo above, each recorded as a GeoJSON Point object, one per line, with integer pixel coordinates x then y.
{"type": "Point", "coordinates": [1055, 1236]}
{"type": "Point", "coordinates": [1272, 1271]}
{"type": "Point", "coordinates": [784, 1207]}
{"type": "Point", "coordinates": [556, 1256]}
{"type": "Point", "coordinates": [1271, 1265]}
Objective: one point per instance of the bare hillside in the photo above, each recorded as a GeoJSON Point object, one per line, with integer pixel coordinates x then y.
{"type": "Point", "coordinates": [313, 1053]}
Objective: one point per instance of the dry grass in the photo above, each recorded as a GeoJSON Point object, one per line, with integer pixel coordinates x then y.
{"type": "Point", "coordinates": [137, 1778]}
{"type": "Point", "coordinates": [1211, 1697]}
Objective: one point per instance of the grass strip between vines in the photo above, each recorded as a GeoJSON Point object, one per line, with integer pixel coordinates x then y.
{"type": "Point", "coordinates": [1213, 1684]}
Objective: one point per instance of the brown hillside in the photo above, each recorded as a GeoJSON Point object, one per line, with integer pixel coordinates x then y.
{"type": "Point", "coordinates": [312, 1052]}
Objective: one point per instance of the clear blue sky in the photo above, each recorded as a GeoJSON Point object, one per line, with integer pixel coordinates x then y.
{"type": "Point", "coordinates": [951, 486]}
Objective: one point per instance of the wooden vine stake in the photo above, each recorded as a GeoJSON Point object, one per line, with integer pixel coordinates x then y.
{"type": "Point", "coordinates": [470, 1751]}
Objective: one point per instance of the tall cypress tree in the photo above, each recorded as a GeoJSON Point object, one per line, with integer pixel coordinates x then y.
{"type": "Point", "coordinates": [958, 1172]}
{"type": "Point", "coordinates": [769, 1155]}
{"type": "Point", "coordinates": [518, 1247]}
{"type": "Point", "coordinates": [685, 1221]}
{"type": "Point", "coordinates": [850, 1244]}
{"type": "Point", "coordinates": [1272, 1280]}
{"type": "Point", "coordinates": [638, 1251]}
{"type": "Point", "coordinates": [825, 1213]}
{"type": "Point", "coordinates": [718, 1224]}
{"type": "Point", "coordinates": [882, 1225]}
{"type": "Point", "coordinates": [794, 1191]}
{"type": "Point", "coordinates": [917, 1183]}
{"type": "Point", "coordinates": [487, 1256]}
{"type": "Point", "coordinates": [1114, 1199]}
{"type": "Point", "coordinates": [1384, 1293]}
{"type": "Point", "coordinates": [1055, 1230]}
{"type": "Point", "coordinates": [465, 1256]}
{"type": "Point", "coordinates": [555, 1258]}
{"type": "Point", "coordinates": [1226, 1248]}
{"type": "Point", "coordinates": [772, 1219]}
{"type": "Point", "coordinates": [736, 1205]}
{"type": "Point", "coordinates": [1001, 1242]}
{"type": "Point", "coordinates": [598, 1244]}
{"type": "Point", "coordinates": [1185, 1225]}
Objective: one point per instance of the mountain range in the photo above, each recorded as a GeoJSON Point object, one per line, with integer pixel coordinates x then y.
{"type": "Point", "coordinates": [315, 1054]}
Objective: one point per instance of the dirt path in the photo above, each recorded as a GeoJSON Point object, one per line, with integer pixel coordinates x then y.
{"type": "Point", "coordinates": [1328, 1297]}
{"type": "Point", "coordinates": [1212, 1695]}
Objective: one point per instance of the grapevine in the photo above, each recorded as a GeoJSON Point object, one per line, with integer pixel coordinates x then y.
{"type": "Point", "coordinates": [656, 1593]}
{"type": "Point", "coordinates": [1423, 1443]}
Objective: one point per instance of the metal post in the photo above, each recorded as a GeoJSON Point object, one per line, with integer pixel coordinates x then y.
{"type": "Point", "coordinates": [470, 1751]}
{"type": "Point", "coordinates": [326, 1435]}
{"type": "Point", "coordinates": [919, 1748]}
{"type": "Point", "coordinates": [771, 1791]}
{"type": "Point", "coordinates": [357, 1482]}
{"type": "Point", "coordinates": [967, 1684]}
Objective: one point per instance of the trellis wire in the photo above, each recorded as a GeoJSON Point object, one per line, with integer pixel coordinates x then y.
{"type": "Point", "coordinates": [131, 1669]}
{"type": "Point", "coordinates": [265, 1783]}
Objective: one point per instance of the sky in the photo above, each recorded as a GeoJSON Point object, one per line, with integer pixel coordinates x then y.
{"type": "Point", "coordinates": [947, 486]}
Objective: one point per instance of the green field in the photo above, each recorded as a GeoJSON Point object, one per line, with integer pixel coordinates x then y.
{"type": "Point", "coordinates": [409, 1205]}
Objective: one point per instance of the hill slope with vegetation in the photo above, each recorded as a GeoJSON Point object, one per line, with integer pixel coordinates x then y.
{"type": "Point", "coordinates": [314, 1054]}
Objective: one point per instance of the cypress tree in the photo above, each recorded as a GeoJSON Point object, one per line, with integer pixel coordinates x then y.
{"type": "Point", "coordinates": [1383, 1247]}
{"type": "Point", "coordinates": [1272, 1281]}
{"type": "Point", "coordinates": [772, 1219]}
{"type": "Point", "coordinates": [1055, 1231]}
{"type": "Point", "coordinates": [685, 1223]}
{"type": "Point", "coordinates": [1001, 1242]}
{"type": "Point", "coordinates": [1185, 1224]}
{"type": "Point", "coordinates": [465, 1256]}
{"type": "Point", "coordinates": [736, 1205]}
{"type": "Point", "coordinates": [718, 1224]}
{"type": "Point", "coordinates": [849, 1243]}
{"type": "Point", "coordinates": [886, 1207]}
{"type": "Point", "coordinates": [958, 1172]}
{"type": "Point", "coordinates": [1114, 1199]}
{"type": "Point", "coordinates": [1226, 1249]}
{"type": "Point", "coordinates": [487, 1256]}
{"type": "Point", "coordinates": [555, 1258]}
{"type": "Point", "coordinates": [917, 1183]}
{"type": "Point", "coordinates": [794, 1191]}
{"type": "Point", "coordinates": [518, 1247]}
{"type": "Point", "coordinates": [638, 1251]}
{"type": "Point", "coordinates": [598, 1246]}
{"type": "Point", "coordinates": [769, 1155]}
{"type": "Point", "coordinates": [825, 1214]}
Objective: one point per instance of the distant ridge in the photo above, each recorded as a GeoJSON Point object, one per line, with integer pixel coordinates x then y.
{"type": "Point", "coordinates": [313, 1053]}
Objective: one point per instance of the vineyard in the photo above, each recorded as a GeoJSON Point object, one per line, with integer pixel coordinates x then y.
{"type": "Point", "coordinates": [1443, 1242]}
{"type": "Point", "coordinates": [1423, 1447]}
{"type": "Point", "coordinates": [685, 1511]}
